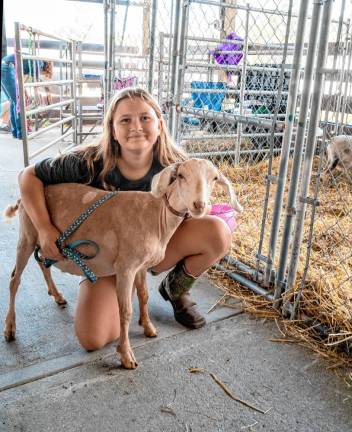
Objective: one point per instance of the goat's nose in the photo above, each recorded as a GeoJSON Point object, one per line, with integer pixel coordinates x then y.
{"type": "Point", "coordinates": [199, 205]}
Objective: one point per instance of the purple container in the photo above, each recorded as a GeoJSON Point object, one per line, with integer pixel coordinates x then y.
{"type": "Point", "coordinates": [228, 58]}
{"type": "Point", "coordinates": [225, 212]}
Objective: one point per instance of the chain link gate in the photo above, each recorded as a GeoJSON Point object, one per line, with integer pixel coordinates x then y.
{"type": "Point", "coordinates": [235, 81]}
{"type": "Point", "coordinates": [245, 86]}
{"type": "Point", "coordinates": [325, 267]}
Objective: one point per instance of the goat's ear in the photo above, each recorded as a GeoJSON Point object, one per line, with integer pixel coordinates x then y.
{"type": "Point", "coordinates": [161, 181]}
{"type": "Point", "coordinates": [227, 186]}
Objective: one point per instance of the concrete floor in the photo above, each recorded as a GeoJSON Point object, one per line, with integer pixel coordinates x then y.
{"type": "Point", "coordinates": [49, 383]}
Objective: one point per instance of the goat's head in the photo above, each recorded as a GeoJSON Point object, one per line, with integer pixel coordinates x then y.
{"type": "Point", "coordinates": [194, 181]}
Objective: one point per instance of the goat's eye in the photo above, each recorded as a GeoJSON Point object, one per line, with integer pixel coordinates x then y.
{"type": "Point", "coordinates": [216, 178]}
{"type": "Point", "coordinates": [180, 176]}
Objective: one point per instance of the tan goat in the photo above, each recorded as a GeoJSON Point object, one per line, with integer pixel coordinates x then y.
{"type": "Point", "coordinates": [132, 230]}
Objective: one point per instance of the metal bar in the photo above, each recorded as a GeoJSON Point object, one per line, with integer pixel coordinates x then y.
{"type": "Point", "coordinates": [321, 328]}
{"type": "Point", "coordinates": [60, 87]}
{"type": "Point", "coordinates": [245, 282]}
{"type": "Point", "coordinates": [218, 91]}
{"type": "Point", "coordinates": [106, 48]}
{"type": "Point", "coordinates": [311, 142]}
{"type": "Point", "coordinates": [243, 85]}
{"type": "Point", "coordinates": [52, 126]}
{"type": "Point", "coordinates": [242, 7]}
{"type": "Point", "coordinates": [298, 295]}
{"type": "Point", "coordinates": [79, 95]}
{"type": "Point", "coordinates": [174, 66]}
{"type": "Point", "coordinates": [19, 71]}
{"type": "Point", "coordinates": [39, 32]}
{"type": "Point", "coordinates": [345, 90]}
{"type": "Point", "coordinates": [269, 275]}
{"type": "Point", "coordinates": [152, 45]}
{"type": "Point", "coordinates": [221, 40]}
{"type": "Point", "coordinates": [168, 92]}
{"type": "Point", "coordinates": [131, 56]}
{"type": "Point", "coordinates": [80, 128]}
{"type": "Point", "coordinates": [339, 91]}
{"type": "Point", "coordinates": [118, 2]}
{"type": "Point", "coordinates": [49, 59]}
{"type": "Point", "coordinates": [47, 83]}
{"type": "Point", "coordinates": [113, 45]}
{"type": "Point", "coordinates": [299, 141]}
{"type": "Point", "coordinates": [238, 68]}
{"type": "Point", "coordinates": [232, 152]}
{"type": "Point", "coordinates": [336, 52]}
{"type": "Point", "coordinates": [73, 91]}
{"type": "Point", "coordinates": [182, 51]}
{"type": "Point", "coordinates": [286, 143]}
{"type": "Point", "coordinates": [222, 136]}
{"type": "Point", "coordinates": [244, 268]}
{"type": "Point", "coordinates": [49, 107]}
{"type": "Point", "coordinates": [239, 7]}
{"type": "Point", "coordinates": [56, 140]}
{"type": "Point", "coordinates": [336, 73]}
{"type": "Point", "coordinates": [230, 118]}
{"type": "Point", "coordinates": [161, 68]}
{"type": "Point", "coordinates": [98, 49]}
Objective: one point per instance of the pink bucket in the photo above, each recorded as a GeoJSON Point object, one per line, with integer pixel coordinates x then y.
{"type": "Point", "coordinates": [226, 213]}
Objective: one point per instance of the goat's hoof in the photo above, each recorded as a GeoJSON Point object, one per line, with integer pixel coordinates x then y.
{"type": "Point", "coordinates": [129, 364]}
{"type": "Point", "coordinates": [10, 335]}
{"type": "Point", "coordinates": [61, 301]}
{"type": "Point", "coordinates": [128, 360]}
{"type": "Point", "coordinates": [59, 298]}
{"type": "Point", "coordinates": [150, 331]}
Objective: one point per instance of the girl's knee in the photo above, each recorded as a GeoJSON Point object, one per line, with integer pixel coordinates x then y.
{"type": "Point", "coordinates": [220, 236]}
{"type": "Point", "coordinates": [91, 344]}
{"type": "Point", "coordinates": [92, 341]}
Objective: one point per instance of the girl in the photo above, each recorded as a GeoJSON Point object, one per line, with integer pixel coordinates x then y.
{"type": "Point", "coordinates": [135, 146]}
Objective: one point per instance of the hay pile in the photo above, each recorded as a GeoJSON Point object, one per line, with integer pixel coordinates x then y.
{"type": "Point", "coordinates": [328, 293]}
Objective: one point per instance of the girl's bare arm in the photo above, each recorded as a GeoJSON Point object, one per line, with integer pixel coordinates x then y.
{"type": "Point", "coordinates": [33, 200]}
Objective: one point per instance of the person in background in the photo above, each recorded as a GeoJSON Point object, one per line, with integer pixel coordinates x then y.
{"type": "Point", "coordinates": [31, 68]}
{"type": "Point", "coordinates": [4, 113]}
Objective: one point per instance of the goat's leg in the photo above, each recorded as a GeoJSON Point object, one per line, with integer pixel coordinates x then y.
{"type": "Point", "coordinates": [25, 248]}
{"type": "Point", "coordinates": [142, 292]}
{"type": "Point", "coordinates": [332, 165]}
{"type": "Point", "coordinates": [52, 290]}
{"type": "Point", "coordinates": [124, 286]}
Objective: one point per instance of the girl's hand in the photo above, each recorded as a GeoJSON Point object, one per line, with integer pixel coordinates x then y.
{"type": "Point", "coordinates": [47, 239]}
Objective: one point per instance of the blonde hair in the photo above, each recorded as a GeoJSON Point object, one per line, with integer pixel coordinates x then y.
{"type": "Point", "coordinates": [108, 149]}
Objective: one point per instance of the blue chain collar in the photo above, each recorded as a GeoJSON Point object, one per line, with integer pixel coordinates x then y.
{"type": "Point", "coordinates": [69, 251]}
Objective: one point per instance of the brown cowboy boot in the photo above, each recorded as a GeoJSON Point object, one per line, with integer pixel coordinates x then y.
{"type": "Point", "coordinates": [175, 289]}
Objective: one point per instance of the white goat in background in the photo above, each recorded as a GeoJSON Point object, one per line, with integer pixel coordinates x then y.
{"type": "Point", "coordinates": [339, 151]}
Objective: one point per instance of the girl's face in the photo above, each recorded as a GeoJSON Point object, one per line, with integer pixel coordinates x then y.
{"type": "Point", "coordinates": [136, 126]}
